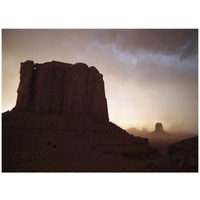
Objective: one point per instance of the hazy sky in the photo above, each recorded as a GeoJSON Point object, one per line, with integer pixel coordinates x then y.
{"type": "Point", "coordinates": [150, 75]}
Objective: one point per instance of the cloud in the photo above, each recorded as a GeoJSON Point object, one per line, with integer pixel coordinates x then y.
{"type": "Point", "coordinates": [182, 42]}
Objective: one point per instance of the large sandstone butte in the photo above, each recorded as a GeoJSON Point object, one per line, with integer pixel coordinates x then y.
{"type": "Point", "coordinates": [56, 87]}
{"type": "Point", "coordinates": [60, 123]}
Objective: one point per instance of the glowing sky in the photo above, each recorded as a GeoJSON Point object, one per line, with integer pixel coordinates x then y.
{"type": "Point", "coordinates": [150, 75]}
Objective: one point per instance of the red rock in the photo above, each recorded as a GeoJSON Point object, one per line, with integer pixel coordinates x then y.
{"type": "Point", "coordinates": [159, 127]}
{"type": "Point", "coordinates": [57, 87]}
{"type": "Point", "coordinates": [96, 95]}
{"type": "Point", "coordinates": [24, 89]}
{"type": "Point", "coordinates": [75, 93]}
{"type": "Point", "coordinates": [159, 131]}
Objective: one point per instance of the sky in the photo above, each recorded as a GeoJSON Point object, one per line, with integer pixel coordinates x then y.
{"type": "Point", "coordinates": [150, 75]}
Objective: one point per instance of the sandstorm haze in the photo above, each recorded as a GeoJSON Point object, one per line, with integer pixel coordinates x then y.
{"type": "Point", "coordinates": [150, 75]}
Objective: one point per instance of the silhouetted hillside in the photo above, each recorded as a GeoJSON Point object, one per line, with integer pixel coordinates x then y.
{"type": "Point", "coordinates": [60, 123]}
{"type": "Point", "coordinates": [182, 157]}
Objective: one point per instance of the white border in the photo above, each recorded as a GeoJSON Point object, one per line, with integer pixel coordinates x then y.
{"type": "Point", "coordinates": [99, 14]}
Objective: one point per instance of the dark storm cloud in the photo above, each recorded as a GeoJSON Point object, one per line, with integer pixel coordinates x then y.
{"type": "Point", "coordinates": [181, 42]}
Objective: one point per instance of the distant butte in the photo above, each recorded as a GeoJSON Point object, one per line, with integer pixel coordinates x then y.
{"type": "Point", "coordinates": [159, 131]}
{"type": "Point", "coordinates": [56, 87]}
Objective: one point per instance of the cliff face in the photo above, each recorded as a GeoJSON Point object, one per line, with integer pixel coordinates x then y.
{"type": "Point", "coordinates": [62, 88]}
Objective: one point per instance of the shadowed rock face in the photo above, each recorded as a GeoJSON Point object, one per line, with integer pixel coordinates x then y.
{"type": "Point", "coordinates": [24, 90]}
{"type": "Point", "coordinates": [62, 88]}
{"type": "Point", "coordinates": [159, 127]}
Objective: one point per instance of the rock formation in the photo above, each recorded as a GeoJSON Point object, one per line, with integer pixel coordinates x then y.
{"type": "Point", "coordinates": [56, 87]}
{"type": "Point", "coordinates": [159, 127]}
{"type": "Point", "coordinates": [24, 90]}
{"type": "Point", "coordinates": [60, 123]}
{"type": "Point", "coordinates": [159, 131]}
